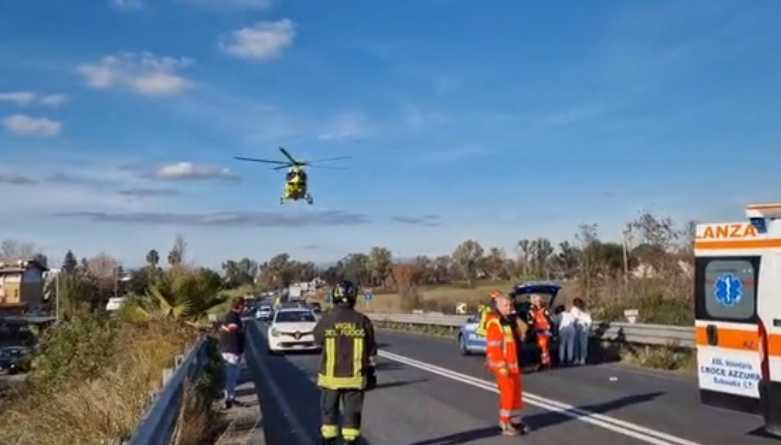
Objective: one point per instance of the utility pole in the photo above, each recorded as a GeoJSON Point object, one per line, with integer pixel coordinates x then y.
{"type": "Point", "coordinates": [57, 299]}
{"type": "Point", "coordinates": [626, 260]}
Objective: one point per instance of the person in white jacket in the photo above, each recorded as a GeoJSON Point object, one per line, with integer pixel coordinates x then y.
{"type": "Point", "coordinates": [565, 323]}
{"type": "Point", "coordinates": [582, 319]}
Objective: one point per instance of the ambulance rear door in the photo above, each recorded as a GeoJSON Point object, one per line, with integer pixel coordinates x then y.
{"type": "Point", "coordinates": [769, 310]}
{"type": "Point", "coordinates": [728, 359]}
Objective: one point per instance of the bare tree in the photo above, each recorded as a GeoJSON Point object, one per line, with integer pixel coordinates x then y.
{"type": "Point", "coordinates": [11, 250]}
{"type": "Point", "coordinates": [178, 252]}
{"type": "Point", "coordinates": [102, 266]}
{"type": "Point", "coordinates": [588, 243]}
{"type": "Point", "coordinates": [467, 256]}
{"type": "Point", "coordinates": [380, 262]}
{"type": "Point", "coordinates": [495, 263]}
{"type": "Point", "coordinates": [541, 251]}
{"type": "Point", "coordinates": [524, 246]}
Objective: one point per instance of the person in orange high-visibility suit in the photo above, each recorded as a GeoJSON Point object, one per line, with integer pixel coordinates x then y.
{"type": "Point", "coordinates": [502, 352]}
{"type": "Point", "coordinates": [540, 319]}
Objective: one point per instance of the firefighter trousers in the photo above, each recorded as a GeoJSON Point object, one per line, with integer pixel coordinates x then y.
{"type": "Point", "coordinates": [510, 399]}
{"type": "Point", "coordinates": [351, 401]}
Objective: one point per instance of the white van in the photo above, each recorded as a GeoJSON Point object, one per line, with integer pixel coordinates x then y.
{"type": "Point", "coordinates": [738, 313]}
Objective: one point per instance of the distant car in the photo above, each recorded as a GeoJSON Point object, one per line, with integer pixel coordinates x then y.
{"type": "Point", "coordinates": [292, 330]}
{"type": "Point", "coordinates": [264, 312]}
{"type": "Point", "coordinates": [470, 342]}
{"type": "Point", "coordinates": [15, 359]}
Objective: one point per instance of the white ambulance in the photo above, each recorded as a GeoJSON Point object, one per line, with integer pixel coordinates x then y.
{"type": "Point", "coordinates": [738, 313]}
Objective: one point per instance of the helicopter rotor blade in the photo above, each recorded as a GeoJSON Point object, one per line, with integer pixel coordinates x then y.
{"type": "Point", "coordinates": [287, 155]}
{"type": "Point", "coordinates": [282, 167]}
{"type": "Point", "coordinates": [328, 167]}
{"type": "Point", "coordinates": [265, 161]}
{"type": "Point", "coordinates": [339, 158]}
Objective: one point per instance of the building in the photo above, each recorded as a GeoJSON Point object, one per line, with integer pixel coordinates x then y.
{"type": "Point", "coordinates": [21, 286]}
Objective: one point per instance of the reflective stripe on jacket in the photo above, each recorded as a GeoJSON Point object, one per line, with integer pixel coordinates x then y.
{"type": "Point", "coordinates": [502, 344]}
{"type": "Point", "coordinates": [347, 339]}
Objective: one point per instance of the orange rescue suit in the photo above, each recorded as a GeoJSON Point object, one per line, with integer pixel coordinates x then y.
{"type": "Point", "coordinates": [503, 346]}
{"type": "Point", "coordinates": [541, 321]}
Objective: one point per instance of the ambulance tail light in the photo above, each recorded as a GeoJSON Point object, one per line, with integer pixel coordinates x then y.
{"type": "Point", "coordinates": [763, 352]}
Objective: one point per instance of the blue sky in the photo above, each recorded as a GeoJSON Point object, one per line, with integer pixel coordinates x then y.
{"type": "Point", "coordinates": [119, 118]}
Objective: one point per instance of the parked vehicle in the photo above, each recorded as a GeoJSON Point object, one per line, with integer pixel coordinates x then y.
{"type": "Point", "coordinates": [15, 359]}
{"type": "Point", "coordinates": [471, 342]}
{"type": "Point", "coordinates": [264, 312]}
{"type": "Point", "coordinates": [737, 279]}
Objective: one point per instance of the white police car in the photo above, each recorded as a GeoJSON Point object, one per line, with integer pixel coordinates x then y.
{"type": "Point", "coordinates": [470, 342]}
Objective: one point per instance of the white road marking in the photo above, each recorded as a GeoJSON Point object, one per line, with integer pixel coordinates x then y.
{"type": "Point", "coordinates": [639, 432]}
{"type": "Point", "coordinates": [277, 393]}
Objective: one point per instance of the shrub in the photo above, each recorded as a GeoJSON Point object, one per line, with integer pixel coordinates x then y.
{"type": "Point", "coordinates": [93, 379]}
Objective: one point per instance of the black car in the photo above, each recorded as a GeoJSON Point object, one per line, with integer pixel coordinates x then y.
{"type": "Point", "coordinates": [15, 359]}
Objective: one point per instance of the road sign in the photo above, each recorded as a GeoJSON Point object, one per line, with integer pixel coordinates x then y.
{"type": "Point", "coordinates": [461, 308]}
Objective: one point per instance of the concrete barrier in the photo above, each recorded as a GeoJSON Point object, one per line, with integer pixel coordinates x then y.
{"type": "Point", "coordinates": [635, 333]}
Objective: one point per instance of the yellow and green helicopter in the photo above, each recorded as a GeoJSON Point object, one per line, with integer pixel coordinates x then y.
{"type": "Point", "coordinates": [296, 182]}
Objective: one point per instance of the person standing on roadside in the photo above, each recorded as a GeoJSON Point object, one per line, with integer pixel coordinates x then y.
{"type": "Point", "coordinates": [502, 359]}
{"type": "Point", "coordinates": [347, 365]}
{"type": "Point", "coordinates": [565, 324]}
{"type": "Point", "coordinates": [232, 347]}
{"type": "Point", "coordinates": [583, 328]}
{"type": "Point", "coordinates": [539, 318]}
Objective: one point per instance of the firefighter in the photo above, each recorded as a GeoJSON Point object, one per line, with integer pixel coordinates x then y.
{"type": "Point", "coordinates": [540, 320]}
{"type": "Point", "coordinates": [502, 356]}
{"type": "Point", "coordinates": [347, 365]}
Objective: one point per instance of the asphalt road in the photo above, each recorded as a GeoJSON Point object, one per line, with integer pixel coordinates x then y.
{"type": "Point", "coordinates": [430, 395]}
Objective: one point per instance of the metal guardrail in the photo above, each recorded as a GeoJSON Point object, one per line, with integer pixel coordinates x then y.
{"type": "Point", "coordinates": [636, 333]}
{"type": "Point", "coordinates": [158, 425]}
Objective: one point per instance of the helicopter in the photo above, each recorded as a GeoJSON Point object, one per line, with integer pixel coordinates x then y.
{"type": "Point", "coordinates": [296, 179]}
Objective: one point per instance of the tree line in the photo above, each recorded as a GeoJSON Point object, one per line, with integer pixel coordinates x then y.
{"type": "Point", "coordinates": [654, 256]}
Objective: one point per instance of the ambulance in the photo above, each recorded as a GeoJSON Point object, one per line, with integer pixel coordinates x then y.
{"type": "Point", "coordinates": [737, 295]}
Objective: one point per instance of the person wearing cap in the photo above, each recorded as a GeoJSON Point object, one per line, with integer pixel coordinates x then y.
{"type": "Point", "coordinates": [503, 349]}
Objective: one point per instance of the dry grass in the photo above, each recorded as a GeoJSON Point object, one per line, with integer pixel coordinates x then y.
{"type": "Point", "coordinates": [101, 409]}
{"type": "Point", "coordinates": [437, 298]}
{"type": "Point", "coordinates": [668, 358]}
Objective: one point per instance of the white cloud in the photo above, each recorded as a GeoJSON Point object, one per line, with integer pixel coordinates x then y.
{"type": "Point", "coordinates": [143, 73]}
{"type": "Point", "coordinates": [54, 100]}
{"type": "Point", "coordinates": [230, 4]}
{"type": "Point", "coordinates": [261, 42]}
{"type": "Point", "coordinates": [23, 125]}
{"type": "Point", "coordinates": [21, 98]}
{"type": "Point", "coordinates": [127, 4]}
{"type": "Point", "coordinates": [25, 98]}
{"type": "Point", "coordinates": [188, 171]}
